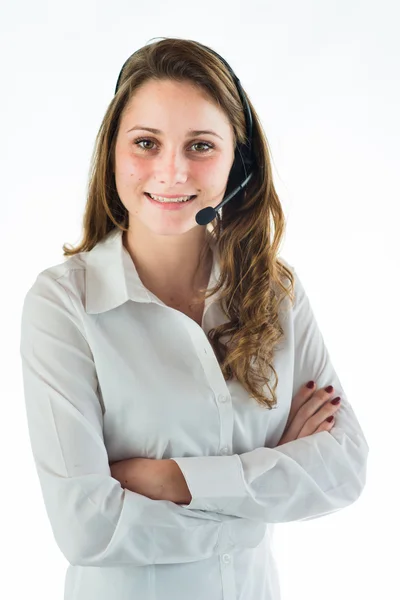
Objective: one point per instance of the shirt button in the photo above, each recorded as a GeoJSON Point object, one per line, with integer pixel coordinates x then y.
{"type": "Point", "coordinates": [226, 558]}
{"type": "Point", "coordinates": [222, 398]}
{"type": "Point", "coordinates": [224, 450]}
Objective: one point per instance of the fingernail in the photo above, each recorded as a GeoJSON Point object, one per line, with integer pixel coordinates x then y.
{"type": "Point", "coordinates": [310, 385]}
{"type": "Point", "coordinates": [329, 389]}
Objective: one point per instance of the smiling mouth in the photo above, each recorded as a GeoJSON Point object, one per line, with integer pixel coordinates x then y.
{"type": "Point", "coordinates": [170, 200]}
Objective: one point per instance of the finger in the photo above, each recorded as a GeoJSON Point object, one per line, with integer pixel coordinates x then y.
{"type": "Point", "coordinates": [302, 396]}
{"type": "Point", "coordinates": [326, 426]}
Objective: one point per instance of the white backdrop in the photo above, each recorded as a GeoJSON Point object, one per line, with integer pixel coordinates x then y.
{"type": "Point", "coordinates": [324, 78]}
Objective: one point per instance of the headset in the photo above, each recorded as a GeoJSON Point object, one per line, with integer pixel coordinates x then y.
{"type": "Point", "coordinates": [243, 152]}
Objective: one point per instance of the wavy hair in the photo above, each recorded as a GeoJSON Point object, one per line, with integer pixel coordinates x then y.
{"type": "Point", "coordinates": [251, 281]}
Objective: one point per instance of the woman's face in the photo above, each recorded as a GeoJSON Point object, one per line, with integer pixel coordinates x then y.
{"type": "Point", "coordinates": [174, 161]}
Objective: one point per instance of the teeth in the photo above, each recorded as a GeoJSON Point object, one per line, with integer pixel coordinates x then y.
{"type": "Point", "coordinates": [161, 199]}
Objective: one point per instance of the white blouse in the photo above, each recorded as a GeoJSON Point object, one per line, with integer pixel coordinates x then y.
{"type": "Point", "coordinates": [110, 373]}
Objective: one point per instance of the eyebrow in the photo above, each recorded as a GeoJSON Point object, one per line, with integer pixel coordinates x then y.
{"type": "Point", "coordinates": [189, 133]}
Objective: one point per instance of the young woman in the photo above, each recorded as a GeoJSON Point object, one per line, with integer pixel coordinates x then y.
{"type": "Point", "coordinates": [166, 360]}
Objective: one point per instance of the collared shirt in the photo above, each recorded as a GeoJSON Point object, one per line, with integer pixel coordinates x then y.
{"type": "Point", "coordinates": [110, 372]}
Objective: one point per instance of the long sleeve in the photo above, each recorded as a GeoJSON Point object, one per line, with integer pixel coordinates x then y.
{"type": "Point", "coordinates": [94, 520]}
{"type": "Point", "coordinates": [300, 480]}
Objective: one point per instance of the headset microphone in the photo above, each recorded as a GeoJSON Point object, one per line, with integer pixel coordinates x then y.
{"type": "Point", "coordinates": [208, 214]}
{"type": "Point", "coordinates": [243, 152]}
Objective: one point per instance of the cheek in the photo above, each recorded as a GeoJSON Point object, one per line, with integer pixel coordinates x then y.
{"type": "Point", "coordinates": [132, 169]}
{"type": "Point", "coordinates": [208, 173]}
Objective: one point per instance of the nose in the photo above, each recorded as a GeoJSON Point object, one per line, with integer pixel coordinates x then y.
{"type": "Point", "coordinates": [171, 167]}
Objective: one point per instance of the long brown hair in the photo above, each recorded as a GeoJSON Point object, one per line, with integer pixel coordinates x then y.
{"type": "Point", "coordinates": [251, 274]}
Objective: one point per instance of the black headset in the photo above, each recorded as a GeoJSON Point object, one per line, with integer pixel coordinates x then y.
{"type": "Point", "coordinates": [243, 152]}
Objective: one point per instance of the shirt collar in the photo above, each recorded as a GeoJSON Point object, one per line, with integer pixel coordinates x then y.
{"type": "Point", "coordinates": [112, 278]}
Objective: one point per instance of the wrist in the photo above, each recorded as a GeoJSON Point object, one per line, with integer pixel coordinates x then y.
{"type": "Point", "coordinates": [177, 488]}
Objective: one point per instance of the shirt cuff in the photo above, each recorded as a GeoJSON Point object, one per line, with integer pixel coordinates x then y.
{"type": "Point", "coordinates": [213, 481]}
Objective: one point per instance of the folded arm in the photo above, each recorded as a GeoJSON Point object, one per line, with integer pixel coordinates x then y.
{"type": "Point", "coordinates": [303, 479]}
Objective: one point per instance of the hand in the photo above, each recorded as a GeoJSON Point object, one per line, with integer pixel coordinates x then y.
{"type": "Point", "coordinates": [145, 476]}
{"type": "Point", "coordinates": [308, 414]}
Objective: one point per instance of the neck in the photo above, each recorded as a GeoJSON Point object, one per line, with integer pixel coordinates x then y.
{"type": "Point", "coordinates": [170, 265]}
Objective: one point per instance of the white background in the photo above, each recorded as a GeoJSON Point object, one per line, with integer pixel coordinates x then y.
{"type": "Point", "coordinates": [324, 77]}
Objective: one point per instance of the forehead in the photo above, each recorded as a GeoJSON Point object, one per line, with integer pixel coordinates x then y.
{"type": "Point", "coordinates": [155, 91]}
{"type": "Point", "coordinates": [156, 103]}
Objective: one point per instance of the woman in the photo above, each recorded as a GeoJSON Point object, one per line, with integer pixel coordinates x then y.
{"type": "Point", "coordinates": [164, 454]}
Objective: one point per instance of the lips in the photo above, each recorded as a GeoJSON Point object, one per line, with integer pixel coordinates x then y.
{"type": "Point", "coordinates": [160, 195]}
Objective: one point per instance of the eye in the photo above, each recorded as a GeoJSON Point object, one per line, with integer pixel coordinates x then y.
{"type": "Point", "coordinates": [208, 144]}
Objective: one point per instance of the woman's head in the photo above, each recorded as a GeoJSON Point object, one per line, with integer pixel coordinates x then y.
{"type": "Point", "coordinates": [251, 274]}
{"type": "Point", "coordinates": [174, 160]}
{"type": "Point", "coordinates": [168, 65]}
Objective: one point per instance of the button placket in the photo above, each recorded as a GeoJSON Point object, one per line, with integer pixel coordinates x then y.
{"type": "Point", "coordinates": [226, 414]}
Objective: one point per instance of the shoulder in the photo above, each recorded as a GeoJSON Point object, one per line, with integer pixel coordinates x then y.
{"type": "Point", "coordinates": [55, 280]}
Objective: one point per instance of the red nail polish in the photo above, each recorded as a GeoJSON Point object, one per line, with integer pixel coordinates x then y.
{"type": "Point", "coordinates": [310, 385]}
